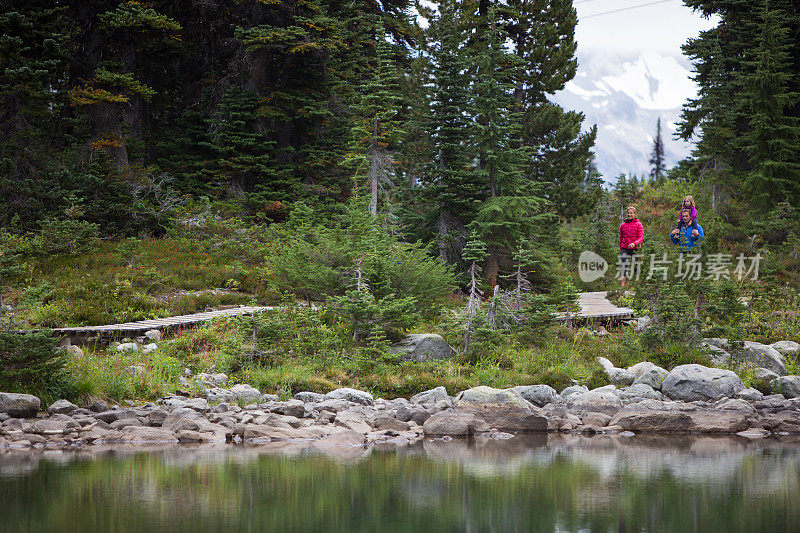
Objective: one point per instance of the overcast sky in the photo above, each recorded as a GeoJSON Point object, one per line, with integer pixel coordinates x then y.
{"type": "Point", "coordinates": [661, 27]}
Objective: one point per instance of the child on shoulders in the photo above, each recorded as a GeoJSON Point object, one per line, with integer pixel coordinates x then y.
{"type": "Point", "coordinates": [688, 205]}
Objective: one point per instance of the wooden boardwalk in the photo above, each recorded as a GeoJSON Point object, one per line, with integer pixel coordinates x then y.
{"type": "Point", "coordinates": [128, 329]}
{"type": "Point", "coordinates": [596, 305]}
{"type": "Point", "coordinates": [593, 305]}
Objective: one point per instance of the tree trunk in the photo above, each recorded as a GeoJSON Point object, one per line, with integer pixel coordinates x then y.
{"type": "Point", "coordinates": [373, 170]}
{"type": "Point", "coordinates": [492, 266]}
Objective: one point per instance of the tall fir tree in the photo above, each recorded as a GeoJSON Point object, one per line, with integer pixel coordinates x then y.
{"type": "Point", "coordinates": [657, 172]}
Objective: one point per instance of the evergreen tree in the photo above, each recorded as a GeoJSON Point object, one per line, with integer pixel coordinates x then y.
{"type": "Point", "coordinates": [453, 187]}
{"type": "Point", "coordinates": [376, 130]}
{"type": "Point", "coordinates": [657, 156]}
{"type": "Point", "coordinates": [772, 142]}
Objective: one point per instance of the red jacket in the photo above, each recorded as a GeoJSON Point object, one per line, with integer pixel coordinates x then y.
{"type": "Point", "coordinates": [631, 232]}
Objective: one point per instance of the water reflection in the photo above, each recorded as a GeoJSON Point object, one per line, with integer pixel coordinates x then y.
{"type": "Point", "coordinates": [534, 483]}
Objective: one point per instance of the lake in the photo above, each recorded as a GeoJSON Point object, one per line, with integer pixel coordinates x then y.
{"type": "Point", "coordinates": [529, 483]}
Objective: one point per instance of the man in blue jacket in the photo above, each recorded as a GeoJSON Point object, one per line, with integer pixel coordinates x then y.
{"type": "Point", "coordinates": [684, 238]}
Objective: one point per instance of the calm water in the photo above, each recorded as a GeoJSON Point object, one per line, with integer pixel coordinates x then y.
{"type": "Point", "coordinates": [545, 483]}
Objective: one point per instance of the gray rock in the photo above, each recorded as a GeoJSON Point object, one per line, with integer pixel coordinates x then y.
{"type": "Point", "coordinates": [483, 396]}
{"type": "Point", "coordinates": [451, 423]}
{"type": "Point", "coordinates": [125, 422]}
{"type": "Point", "coordinates": [749, 394]}
{"type": "Point", "coordinates": [149, 348]}
{"type": "Point", "coordinates": [97, 405]}
{"type": "Point", "coordinates": [759, 354]}
{"type": "Point", "coordinates": [605, 363]}
{"type": "Point", "coordinates": [19, 405]}
{"type": "Point", "coordinates": [638, 392]}
{"type": "Point", "coordinates": [423, 347]}
{"type": "Point", "coordinates": [62, 407]}
{"type": "Point", "coordinates": [600, 400]}
{"type": "Point", "coordinates": [217, 395]}
{"type": "Point", "coordinates": [538, 395]}
{"type": "Point", "coordinates": [432, 396]}
{"type": "Point", "coordinates": [735, 404]}
{"type": "Point", "coordinates": [55, 425]}
{"type": "Point", "coordinates": [334, 406]}
{"type": "Point", "coordinates": [653, 377]}
{"type": "Point", "coordinates": [415, 414]}
{"type": "Point", "coordinates": [156, 417]}
{"type": "Point", "coordinates": [573, 389]}
{"type": "Point", "coordinates": [353, 420]}
{"type": "Point", "coordinates": [115, 414]}
{"type": "Point", "coordinates": [147, 435]}
{"type": "Point", "coordinates": [620, 377]}
{"type": "Point", "coordinates": [294, 408]}
{"type": "Point", "coordinates": [198, 404]}
{"type": "Point", "coordinates": [640, 368]}
{"type": "Point", "coordinates": [214, 380]}
{"type": "Point", "coordinates": [787, 348]}
{"type": "Point", "coordinates": [643, 322]}
{"type": "Point", "coordinates": [127, 347]}
{"type": "Point", "coordinates": [309, 397]}
{"type": "Point", "coordinates": [789, 386]}
{"type": "Point", "coordinates": [183, 418]}
{"type": "Point", "coordinates": [351, 395]}
{"type": "Point", "coordinates": [153, 335]}
{"type": "Point", "coordinates": [765, 375]}
{"type": "Point", "coordinates": [696, 382]}
{"type": "Point", "coordinates": [246, 394]}
{"type": "Point", "coordinates": [384, 422]}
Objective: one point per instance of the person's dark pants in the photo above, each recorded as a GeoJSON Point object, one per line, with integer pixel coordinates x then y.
{"type": "Point", "coordinates": [625, 260]}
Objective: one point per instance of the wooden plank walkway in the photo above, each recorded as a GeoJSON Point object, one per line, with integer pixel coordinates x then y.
{"type": "Point", "coordinates": [131, 328]}
{"type": "Point", "coordinates": [596, 305]}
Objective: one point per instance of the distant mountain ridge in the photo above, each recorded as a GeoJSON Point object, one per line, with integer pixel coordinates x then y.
{"type": "Point", "coordinates": [624, 96]}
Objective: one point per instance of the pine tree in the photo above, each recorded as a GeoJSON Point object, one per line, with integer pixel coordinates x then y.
{"type": "Point", "coordinates": [474, 254]}
{"type": "Point", "coordinates": [657, 156]}
{"type": "Point", "coordinates": [376, 130]}
{"type": "Point", "coordinates": [542, 35]}
{"type": "Point", "coordinates": [775, 132]}
{"type": "Point", "coordinates": [453, 187]}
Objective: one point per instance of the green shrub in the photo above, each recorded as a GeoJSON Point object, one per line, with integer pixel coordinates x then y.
{"type": "Point", "coordinates": [599, 378]}
{"type": "Point", "coordinates": [70, 236]}
{"type": "Point", "coordinates": [556, 377]}
{"type": "Point", "coordinates": [30, 363]}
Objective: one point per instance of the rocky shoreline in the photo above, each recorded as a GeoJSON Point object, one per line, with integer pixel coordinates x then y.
{"type": "Point", "coordinates": [689, 400]}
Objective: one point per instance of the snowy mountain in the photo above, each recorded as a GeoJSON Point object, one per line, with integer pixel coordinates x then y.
{"type": "Point", "coordinates": [625, 96]}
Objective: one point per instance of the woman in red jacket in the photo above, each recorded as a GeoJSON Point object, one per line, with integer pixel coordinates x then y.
{"type": "Point", "coordinates": [631, 235]}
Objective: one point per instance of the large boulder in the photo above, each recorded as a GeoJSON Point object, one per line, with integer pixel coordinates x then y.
{"type": "Point", "coordinates": [452, 423]}
{"type": "Point", "coordinates": [762, 355]}
{"type": "Point", "coordinates": [620, 377]}
{"type": "Point", "coordinates": [487, 397]}
{"type": "Point", "coordinates": [599, 400]}
{"type": "Point", "coordinates": [423, 347]}
{"type": "Point", "coordinates": [789, 386]}
{"type": "Point", "coordinates": [219, 395]}
{"type": "Point", "coordinates": [638, 392]}
{"type": "Point", "coordinates": [635, 418]}
{"type": "Point", "coordinates": [19, 405]}
{"type": "Point", "coordinates": [647, 373]}
{"type": "Point", "coordinates": [787, 348]}
{"type": "Point", "coordinates": [246, 394]}
{"type": "Point", "coordinates": [309, 397]}
{"type": "Point", "coordinates": [431, 397]}
{"type": "Point", "coordinates": [351, 395]}
{"type": "Point", "coordinates": [538, 395]}
{"type": "Point", "coordinates": [696, 382]}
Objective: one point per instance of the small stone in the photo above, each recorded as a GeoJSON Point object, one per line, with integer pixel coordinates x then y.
{"type": "Point", "coordinates": [127, 347]}
{"type": "Point", "coordinates": [62, 407]}
{"type": "Point", "coordinates": [149, 348]}
{"type": "Point", "coordinates": [153, 334]}
{"type": "Point", "coordinates": [309, 397]}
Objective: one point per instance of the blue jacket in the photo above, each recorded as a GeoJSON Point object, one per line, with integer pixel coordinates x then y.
{"type": "Point", "coordinates": [685, 239]}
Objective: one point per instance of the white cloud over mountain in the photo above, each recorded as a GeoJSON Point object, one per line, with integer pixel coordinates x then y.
{"type": "Point", "coordinates": [625, 95]}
